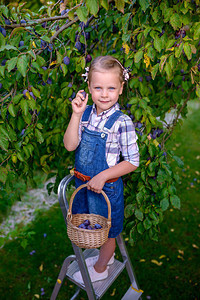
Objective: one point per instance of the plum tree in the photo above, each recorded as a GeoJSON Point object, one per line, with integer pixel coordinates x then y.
{"type": "Point", "coordinates": [157, 40]}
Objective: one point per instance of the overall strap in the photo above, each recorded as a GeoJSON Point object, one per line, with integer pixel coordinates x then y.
{"type": "Point", "coordinates": [113, 118]}
{"type": "Point", "coordinates": [86, 113]}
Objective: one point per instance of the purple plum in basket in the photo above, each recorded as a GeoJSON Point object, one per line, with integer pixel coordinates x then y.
{"type": "Point", "coordinates": [97, 226]}
{"type": "Point", "coordinates": [89, 227]}
{"type": "Point", "coordinates": [86, 222]}
{"type": "Point", "coordinates": [82, 226]}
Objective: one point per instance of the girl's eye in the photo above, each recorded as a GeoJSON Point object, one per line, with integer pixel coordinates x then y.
{"type": "Point", "coordinates": [97, 88]}
{"type": "Point", "coordinates": [112, 88]}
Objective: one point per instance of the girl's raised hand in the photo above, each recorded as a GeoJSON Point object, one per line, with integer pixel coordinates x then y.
{"type": "Point", "coordinates": [79, 103]}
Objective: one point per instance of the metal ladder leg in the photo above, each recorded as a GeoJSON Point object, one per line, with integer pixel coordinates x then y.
{"type": "Point", "coordinates": [84, 272]}
{"type": "Point", "coordinates": [61, 276]}
{"type": "Point", "coordinates": [126, 258]}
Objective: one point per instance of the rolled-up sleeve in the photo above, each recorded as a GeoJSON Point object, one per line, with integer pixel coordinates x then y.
{"type": "Point", "coordinates": [128, 141]}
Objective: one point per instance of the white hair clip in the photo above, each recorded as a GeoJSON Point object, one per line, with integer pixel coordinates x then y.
{"type": "Point", "coordinates": [86, 74]}
{"type": "Point", "coordinates": [126, 73]}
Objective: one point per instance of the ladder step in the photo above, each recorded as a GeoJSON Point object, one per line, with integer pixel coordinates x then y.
{"type": "Point", "coordinates": [100, 287]}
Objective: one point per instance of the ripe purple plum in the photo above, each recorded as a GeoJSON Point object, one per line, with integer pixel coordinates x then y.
{"type": "Point", "coordinates": [82, 226]}
{"type": "Point", "coordinates": [86, 222]}
{"type": "Point", "coordinates": [84, 94]}
{"type": "Point", "coordinates": [3, 31]}
{"type": "Point", "coordinates": [78, 46]}
{"type": "Point", "coordinates": [21, 43]}
{"type": "Point", "coordinates": [66, 60]}
{"type": "Point", "coordinates": [97, 226]}
{"type": "Point", "coordinates": [49, 81]}
{"type": "Point", "coordinates": [88, 58]}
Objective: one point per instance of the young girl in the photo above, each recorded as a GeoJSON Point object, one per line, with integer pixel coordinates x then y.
{"type": "Point", "coordinates": [99, 133]}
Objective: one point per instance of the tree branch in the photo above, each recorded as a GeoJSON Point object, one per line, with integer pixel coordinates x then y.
{"type": "Point", "coordinates": [66, 25]}
{"type": "Point", "coordinates": [2, 99]}
{"type": "Point", "coordinates": [39, 21]}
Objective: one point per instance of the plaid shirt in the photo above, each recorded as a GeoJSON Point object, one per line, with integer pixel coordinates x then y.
{"type": "Point", "coordinates": [121, 137]}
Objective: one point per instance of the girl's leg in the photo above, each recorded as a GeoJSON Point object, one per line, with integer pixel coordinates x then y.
{"type": "Point", "coordinates": [105, 254]}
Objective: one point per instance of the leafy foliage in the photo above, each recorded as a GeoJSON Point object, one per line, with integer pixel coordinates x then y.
{"type": "Point", "coordinates": [42, 57]}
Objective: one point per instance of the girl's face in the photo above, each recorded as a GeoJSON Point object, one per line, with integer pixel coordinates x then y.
{"type": "Point", "coordinates": [105, 88]}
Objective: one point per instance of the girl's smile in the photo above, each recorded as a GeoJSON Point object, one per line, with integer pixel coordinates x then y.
{"type": "Point", "coordinates": [105, 88]}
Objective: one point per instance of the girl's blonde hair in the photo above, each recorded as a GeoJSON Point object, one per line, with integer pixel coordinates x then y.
{"type": "Point", "coordinates": [107, 63]}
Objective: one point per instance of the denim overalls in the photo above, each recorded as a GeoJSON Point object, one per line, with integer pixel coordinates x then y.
{"type": "Point", "coordinates": [90, 159]}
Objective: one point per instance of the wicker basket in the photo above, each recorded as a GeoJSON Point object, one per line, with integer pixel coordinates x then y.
{"type": "Point", "coordinates": [85, 238]}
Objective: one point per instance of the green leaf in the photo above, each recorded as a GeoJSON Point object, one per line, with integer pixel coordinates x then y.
{"type": "Point", "coordinates": [2, 41]}
{"type": "Point", "coordinates": [154, 70]}
{"type": "Point", "coordinates": [147, 223]}
{"type": "Point", "coordinates": [82, 13]}
{"type": "Point", "coordinates": [198, 90]}
{"type": "Point", "coordinates": [139, 214]}
{"type": "Point", "coordinates": [45, 38]}
{"type": "Point", "coordinates": [164, 204]}
{"type": "Point", "coordinates": [8, 47]}
{"type": "Point", "coordinates": [4, 143]}
{"type": "Point", "coordinates": [39, 136]}
{"type": "Point", "coordinates": [24, 106]}
{"type": "Point", "coordinates": [138, 114]}
{"type": "Point", "coordinates": [156, 15]}
{"type": "Point", "coordinates": [153, 235]}
{"type": "Point", "coordinates": [144, 4]}
{"type": "Point", "coordinates": [17, 98]}
{"type": "Point", "coordinates": [139, 197]}
{"type": "Point", "coordinates": [105, 4]}
{"type": "Point", "coordinates": [138, 56]}
{"type": "Point", "coordinates": [170, 43]}
{"type": "Point", "coordinates": [35, 92]}
{"type": "Point", "coordinates": [40, 60]}
{"type": "Point", "coordinates": [161, 176]}
{"type": "Point", "coordinates": [22, 65]}
{"type": "Point", "coordinates": [178, 160]}
{"type": "Point", "coordinates": [162, 61]}
{"type": "Point", "coordinates": [158, 43]}
{"type": "Point", "coordinates": [178, 50]}
{"type": "Point", "coordinates": [140, 228]}
{"type": "Point", "coordinates": [4, 131]}
{"type": "Point", "coordinates": [129, 210]}
{"type": "Point", "coordinates": [4, 10]}
{"type": "Point", "coordinates": [175, 201]}
{"type": "Point", "coordinates": [168, 70]}
{"type": "Point", "coordinates": [93, 6]}
{"type": "Point", "coordinates": [120, 5]}
{"type": "Point", "coordinates": [197, 32]}
{"type": "Point", "coordinates": [11, 63]}
{"type": "Point", "coordinates": [175, 21]}
{"type": "Point", "coordinates": [11, 109]}
{"type": "Point", "coordinates": [187, 50]}
{"type": "Point", "coordinates": [32, 103]}
{"type": "Point", "coordinates": [172, 189]}
{"type": "Point", "coordinates": [3, 174]}
{"type": "Point", "coordinates": [2, 69]}
{"type": "Point", "coordinates": [24, 243]}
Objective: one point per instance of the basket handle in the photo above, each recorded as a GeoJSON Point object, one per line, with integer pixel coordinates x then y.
{"type": "Point", "coordinates": [69, 214]}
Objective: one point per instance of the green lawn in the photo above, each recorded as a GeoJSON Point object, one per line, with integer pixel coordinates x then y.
{"type": "Point", "coordinates": [165, 270]}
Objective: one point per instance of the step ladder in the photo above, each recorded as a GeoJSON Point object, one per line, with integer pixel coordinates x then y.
{"type": "Point", "coordinates": [76, 262]}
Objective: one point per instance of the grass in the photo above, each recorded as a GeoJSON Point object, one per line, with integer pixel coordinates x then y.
{"type": "Point", "coordinates": [165, 270]}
